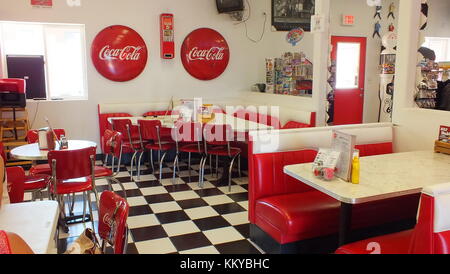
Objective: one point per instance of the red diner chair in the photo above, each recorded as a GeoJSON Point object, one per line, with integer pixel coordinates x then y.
{"type": "Point", "coordinates": [131, 137]}
{"type": "Point", "coordinates": [188, 139]}
{"type": "Point", "coordinates": [113, 149]}
{"type": "Point", "coordinates": [151, 139]}
{"type": "Point", "coordinates": [430, 236]}
{"type": "Point", "coordinates": [112, 226]}
{"type": "Point", "coordinates": [32, 138]}
{"type": "Point", "coordinates": [218, 143]}
{"type": "Point", "coordinates": [24, 183]}
{"type": "Point", "coordinates": [73, 172]}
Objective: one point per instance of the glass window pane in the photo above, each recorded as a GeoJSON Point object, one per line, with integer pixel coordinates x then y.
{"type": "Point", "coordinates": [65, 61]}
{"type": "Point", "coordinates": [347, 65]}
{"type": "Point", "coordinates": [23, 39]}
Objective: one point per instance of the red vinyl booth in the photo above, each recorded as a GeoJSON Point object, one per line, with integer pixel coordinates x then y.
{"type": "Point", "coordinates": [12, 93]}
{"type": "Point", "coordinates": [289, 211]}
{"type": "Point", "coordinates": [430, 236]}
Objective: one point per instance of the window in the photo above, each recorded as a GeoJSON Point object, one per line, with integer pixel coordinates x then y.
{"type": "Point", "coordinates": [63, 49]}
{"type": "Point", "coordinates": [441, 47]}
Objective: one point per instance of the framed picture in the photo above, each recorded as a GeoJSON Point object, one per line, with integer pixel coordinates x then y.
{"type": "Point", "coordinates": [291, 14]}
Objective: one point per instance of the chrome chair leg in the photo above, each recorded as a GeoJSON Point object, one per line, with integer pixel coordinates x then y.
{"type": "Point", "coordinates": [200, 181]}
{"type": "Point", "coordinates": [90, 210]}
{"type": "Point", "coordinates": [121, 186]}
{"type": "Point", "coordinates": [210, 165]}
{"type": "Point", "coordinates": [84, 205]}
{"type": "Point", "coordinates": [189, 165]}
{"type": "Point", "coordinates": [132, 160]}
{"type": "Point", "coordinates": [203, 171]}
{"type": "Point", "coordinates": [72, 206]}
{"type": "Point", "coordinates": [160, 165]}
{"type": "Point", "coordinates": [175, 165]}
{"type": "Point", "coordinates": [231, 173]}
{"type": "Point", "coordinates": [105, 161]}
{"type": "Point", "coordinates": [151, 161]}
{"type": "Point", "coordinates": [239, 166]}
{"type": "Point", "coordinates": [139, 166]}
{"type": "Point", "coordinates": [217, 166]}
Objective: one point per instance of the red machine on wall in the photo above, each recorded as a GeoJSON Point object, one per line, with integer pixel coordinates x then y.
{"type": "Point", "coordinates": [167, 36]}
{"type": "Point", "coordinates": [12, 93]}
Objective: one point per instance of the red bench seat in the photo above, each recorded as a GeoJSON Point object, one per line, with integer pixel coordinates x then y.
{"type": "Point", "coordinates": [290, 211]}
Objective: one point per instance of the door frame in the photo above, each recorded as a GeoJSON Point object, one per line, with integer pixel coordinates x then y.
{"type": "Point", "coordinates": [362, 65]}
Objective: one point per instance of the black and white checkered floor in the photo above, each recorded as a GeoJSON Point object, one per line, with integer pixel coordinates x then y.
{"type": "Point", "coordinates": [181, 218]}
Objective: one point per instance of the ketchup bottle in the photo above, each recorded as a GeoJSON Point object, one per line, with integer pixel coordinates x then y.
{"type": "Point", "coordinates": [50, 140]}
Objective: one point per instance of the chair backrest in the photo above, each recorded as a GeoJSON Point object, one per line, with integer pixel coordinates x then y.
{"type": "Point", "coordinates": [33, 135]}
{"type": "Point", "coordinates": [72, 164]}
{"type": "Point", "coordinates": [16, 184]}
{"type": "Point", "coordinates": [113, 143]}
{"type": "Point", "coordinates": [123, 126]}
{"type": "Point", "coordinates": [149, 130]}
{"type": "Point", "coordinates": [113, 214]}
{"type": "Point", "coordinates": [187, 132]}
{"type": "Point", "coordinates": [2, 152]}
{"type": "Point", "coordinates": [218, 134]}
{"type": "Point", "coordinates": [432, 232]}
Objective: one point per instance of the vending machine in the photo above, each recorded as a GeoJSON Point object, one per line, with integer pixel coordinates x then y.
{"type": "Point", "coordinates": [167, 36]}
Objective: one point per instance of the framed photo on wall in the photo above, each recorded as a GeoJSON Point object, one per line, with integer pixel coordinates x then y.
{"type": "Point", "coordinates": [291, 14]}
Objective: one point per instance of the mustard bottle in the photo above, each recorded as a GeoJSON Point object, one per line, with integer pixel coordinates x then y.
{"type": "Point", "coordinates": [355, 170]}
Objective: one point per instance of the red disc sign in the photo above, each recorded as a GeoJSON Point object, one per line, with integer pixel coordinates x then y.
{"type": "Point", "coordinates": [119, 53]}
{"type": "Point", "coordinates": [205, 54]}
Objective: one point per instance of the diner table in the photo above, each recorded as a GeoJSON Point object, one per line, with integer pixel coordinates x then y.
{"type": "Point", "coordinates": [31, 152]}
{"type": "Point", "coordinates": [381, 177]}
{"type": "Point", "coordinates": [237, 124]}
{"type": "Point", "coordinates": [35, 222]}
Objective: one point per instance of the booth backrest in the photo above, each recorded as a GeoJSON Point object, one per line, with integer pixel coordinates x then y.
{"type": "Point", "coordinates": [267, 157]}
{"type": "Point", "coordinates": [432, 232]}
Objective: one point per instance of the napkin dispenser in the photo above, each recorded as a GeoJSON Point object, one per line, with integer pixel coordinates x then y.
{"type": "Point", "coordinates": [46, 139]}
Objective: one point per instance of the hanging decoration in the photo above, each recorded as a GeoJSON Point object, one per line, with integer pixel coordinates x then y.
{"type": "Point", "coordinates": [392, 9]}
{"type": "Point", "coordinates": [378, 12]}
{"type": "Point", "coordinates": [295, 36]}
{"type": "Point", "coordinates": [424, 11]}
{"type": "Point", "coordinates": [376, 31]}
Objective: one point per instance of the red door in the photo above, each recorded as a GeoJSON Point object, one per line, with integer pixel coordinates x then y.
{"type": "Point", "coordinates": [349, 53]}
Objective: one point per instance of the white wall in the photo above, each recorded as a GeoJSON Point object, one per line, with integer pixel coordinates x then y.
{"type": "Point", "coordinates": [417, 128]}
{"type": "Point", "coordinates": [438, 18]}
{"type": "Point", "coordinates": [364, 27]}
{"type": "Point", "coordinates": [161, 78]}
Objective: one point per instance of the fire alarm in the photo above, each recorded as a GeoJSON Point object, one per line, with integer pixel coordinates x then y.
{"type": "Point", "coordinates": [348, 20]}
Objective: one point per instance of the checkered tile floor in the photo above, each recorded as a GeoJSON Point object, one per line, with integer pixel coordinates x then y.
{"type": "Point", "coordinates": [181, 218]}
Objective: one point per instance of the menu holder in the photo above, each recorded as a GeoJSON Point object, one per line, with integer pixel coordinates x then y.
{"type": "Point", "coordinates": [443, 144]}
{"type": "Point", "coordinates": [345, 144]}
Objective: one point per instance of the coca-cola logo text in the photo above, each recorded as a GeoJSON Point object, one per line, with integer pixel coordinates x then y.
{"type": "Point", "coordinates": [212, 54]}
{"type": "Point", "coordinates": [119, 53]}
{"type": "Point", "coordinates": [128, 53]}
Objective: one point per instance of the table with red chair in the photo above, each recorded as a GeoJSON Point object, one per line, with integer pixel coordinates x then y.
{"type": "Point", "coordinates": [236, 128]}
{"type": "Point", "coordinates": [382, 177]}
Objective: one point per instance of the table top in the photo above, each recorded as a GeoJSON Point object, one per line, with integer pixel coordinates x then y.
{"type": "Point", "coordinates": [35, 222]}
{"type": "Point", "coordinates": [32, 152]}
{"type": "Point", "coordinates": [237, 124]}
{"type": "Point", "coordinates": [382, 177]}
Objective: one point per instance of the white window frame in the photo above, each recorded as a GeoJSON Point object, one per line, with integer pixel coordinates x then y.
{"type": "Point", "coordinates": [445, 42]}
{"type": "Point", "coordinates": [4, 71]}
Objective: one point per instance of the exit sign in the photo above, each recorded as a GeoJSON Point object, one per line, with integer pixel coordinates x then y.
{"type": "Point", "coordinates": [348, 20]}
{"type": "Point", "coordinates": [42, 3]}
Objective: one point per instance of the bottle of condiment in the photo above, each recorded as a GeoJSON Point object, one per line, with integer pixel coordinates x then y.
{"type": "Point", "coordinates": [355, 170]}
{"type": "Point", "coordinates": [50, 140]}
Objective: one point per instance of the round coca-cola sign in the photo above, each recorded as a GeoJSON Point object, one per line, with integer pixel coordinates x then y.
{"type": "Point", "coordinates": [205, 54]}
{"type": "Point", "coordinates": [119, 53]}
